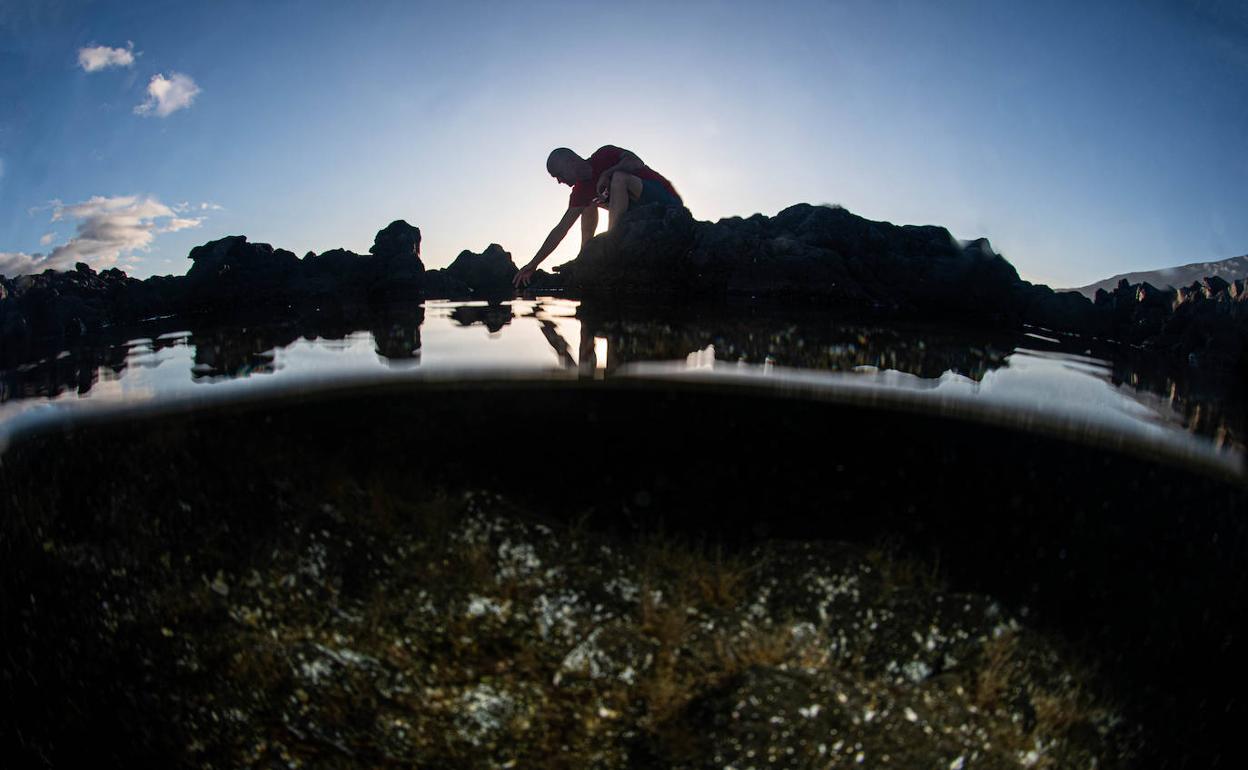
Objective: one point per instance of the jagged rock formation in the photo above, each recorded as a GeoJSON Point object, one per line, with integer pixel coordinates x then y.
{"type": "Point", "coordinates": [67, 305]}
{"type": "Point", "coordinates": [1206, 322]}
{"type": "Point", "coordinates": [1228, 270]}
{"type": "Point", "coordinates": [227, 275]}
{"type": "Point", "coordinates": [230, 272]}
{"type": "Point", "coordinates": [488, 274]}
{"type": "Point", "coordinates": [819, 255]}
{"type": "Point", "coordinates": [822, 254]}
{"type": "Point", "coordinates": [835, 258]}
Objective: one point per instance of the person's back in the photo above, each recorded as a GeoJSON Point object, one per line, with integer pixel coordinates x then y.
{"type": "Point", "coordinates": [612, 178]}
{"type": "Point", "coordinates": [607, 158]}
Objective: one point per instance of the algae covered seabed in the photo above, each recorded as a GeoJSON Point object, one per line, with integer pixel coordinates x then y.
{"type": "Point", "coordinates": [511, 574]}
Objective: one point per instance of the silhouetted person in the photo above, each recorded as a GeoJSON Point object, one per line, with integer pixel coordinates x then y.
{"type": "Point", "coordinates": [612, 178]}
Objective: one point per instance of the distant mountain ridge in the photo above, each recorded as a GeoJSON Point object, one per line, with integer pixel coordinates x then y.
{"type": "Point", "coordinates": [1228, 270]}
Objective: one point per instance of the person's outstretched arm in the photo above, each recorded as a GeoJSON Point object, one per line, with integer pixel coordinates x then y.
{"type": "Point", "coordinates": [589, 222]}
{"type": "Point", "coordinates": [550, 244]}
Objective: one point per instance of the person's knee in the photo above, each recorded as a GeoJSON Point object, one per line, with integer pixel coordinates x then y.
{"type": "Point", "coordinates": [623, 179]}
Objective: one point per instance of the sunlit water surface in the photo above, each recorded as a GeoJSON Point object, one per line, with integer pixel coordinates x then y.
{"type": "Point", "coordinates": [1032, 380]}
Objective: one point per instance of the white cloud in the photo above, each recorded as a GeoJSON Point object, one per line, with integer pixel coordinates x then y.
{"type": "Point", "coordinates": [16, 263]}
{"type": "Point", "coordinates": [180, 223]}
{"type": "Point", "coordinates": [47, 239]}
{"type": "Point", "coordinates": [186, 206]}
{"type": "Point", "coordinates": [106, 229]}
{"type": "Point", "coordinates": [102, 57]}
{"type": "Point", "coordinates": [168, 95]}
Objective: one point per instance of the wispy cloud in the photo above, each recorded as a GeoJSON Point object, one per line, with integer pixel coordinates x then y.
{"type": "Point", "coordinates": [101, 57]}
{"type": "Point", "coordinates": [47, 239]}
{"type": "Point", "coordinates": [180, 223]}
{"type": "Point", "coordinates": [167, 95]}
{"type": "Point", "coordinates": [106, 230]}
{"type": "Point", "coordinates": [186, 206]}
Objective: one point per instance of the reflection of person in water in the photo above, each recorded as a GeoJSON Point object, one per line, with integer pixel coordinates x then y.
{"type": "Point", "coordinates": [586, 360]}
{"type": "Point", "coordinates": [611, 178]}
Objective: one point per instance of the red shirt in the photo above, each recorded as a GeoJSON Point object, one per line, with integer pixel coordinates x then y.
{"type": "Point", "coordinates": [604, 158]}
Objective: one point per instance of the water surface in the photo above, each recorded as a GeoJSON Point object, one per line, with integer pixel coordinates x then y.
{"type": "Point", "coordinates": [1033, 379]}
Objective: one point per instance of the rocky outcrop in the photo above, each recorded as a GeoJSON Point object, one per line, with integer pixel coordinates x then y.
{"type": "Point", "coordinates": [1206, 322]}
{"type": "Point", "coordinates": [829, 256]}
{"type": "Point", "coordinates": [66, 305]}
{"type": "Point", "coordinates": [820, 253]}
{"type": "Point", "coordinates": [230, 272]}
{"type": "Point", "coordinates": [1180, 276]}
{"type": "Point", "coordinates": [229, 275]}
{"type": "Point", "coordinates": [488, 274]}
{"type": "Point", "coordinates": [822, 256]}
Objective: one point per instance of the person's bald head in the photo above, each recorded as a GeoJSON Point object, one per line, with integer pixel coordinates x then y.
{"type": "Point", "coordinates": [566, 166]}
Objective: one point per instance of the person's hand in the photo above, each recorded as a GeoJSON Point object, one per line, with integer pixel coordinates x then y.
{"type": "Point", "coordinates": [524, 276]}
{"type": "Point", "coordinates": [604, 182]}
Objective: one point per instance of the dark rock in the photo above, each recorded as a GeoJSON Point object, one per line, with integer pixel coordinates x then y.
{"type": "Point", "coordinates": [440, 284]}
{"type": "Point", "coordinates": [230, 272]}
{"type": "Point", "coordinates": [648, 253]}
{"type": "Point", "coordinates": [396, 271]}
{"type": "Point", "coordinates": [493, 316]}
{"type": "Point", "coordinates": [489, 273]}
{"type": "Point", "coordinates": [1213, 285]}
{"type": "Point", "coordinates": [819, 255]}
{"type": "Point", "coordinates": [397, 240]}
{"type": "Point", "coordinates": [227, 275]}
{"type": "Point", "coordinates": [59, 306]}
{"type": "Point", "coordinates": [544, 282]}
{"type": "Point", "coordinates": [814, 252]}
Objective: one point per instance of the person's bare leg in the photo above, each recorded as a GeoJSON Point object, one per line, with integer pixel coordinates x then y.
{"type": "Point", "coordinates": [624, 188]}
{"type": "Point", "coordinates": [589, 223]}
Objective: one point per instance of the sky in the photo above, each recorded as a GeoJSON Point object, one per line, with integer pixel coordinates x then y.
{"type": "Point", "coordinates": [1083, 139]}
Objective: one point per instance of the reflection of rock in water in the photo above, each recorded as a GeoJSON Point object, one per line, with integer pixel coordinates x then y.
{"type": "Point", "coordinates": [1210, 403]}
{"type": "Point", "coordinates": [805, 340]}
{"type": "Point", "coordinates": [398, 337]}
{"type": "Point", "coordinates": [238, 351]}
{"type": "Point", "coordinates": [75, 369]}
{"type": "Point", "coordinates": [492, 317]}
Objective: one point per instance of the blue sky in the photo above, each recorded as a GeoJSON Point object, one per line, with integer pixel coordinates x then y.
{"type": "Point", "coordinates": [1083, 141]}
